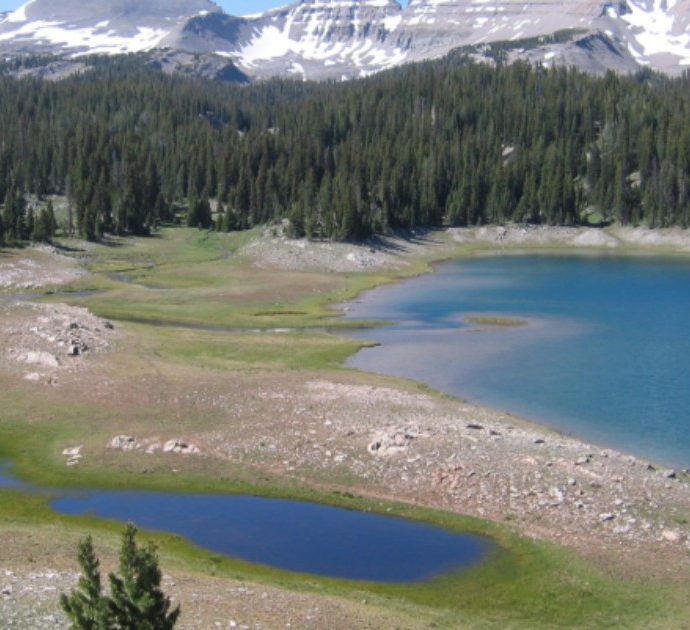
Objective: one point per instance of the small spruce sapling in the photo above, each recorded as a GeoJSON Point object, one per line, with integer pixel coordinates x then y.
{"type": "Point", "coordinates": [136, 600]}
{"type": "Point", "coordinates": [86, 607]}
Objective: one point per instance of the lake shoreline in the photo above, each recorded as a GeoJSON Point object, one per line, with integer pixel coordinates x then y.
{"type": "Point", "coordinates": [322, 430]}
{"type": "Point", "coordinates": [428, 329]}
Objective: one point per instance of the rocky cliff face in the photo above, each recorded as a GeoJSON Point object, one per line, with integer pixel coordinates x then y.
{"type": "Point", "coordinates": [321, 38]}
{"type": "Point", "coordinates": [97, 26]}
{"type": "Point", "coordinates": [341, 39]}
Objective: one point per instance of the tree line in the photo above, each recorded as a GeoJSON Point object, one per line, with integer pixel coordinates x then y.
{"type": "Point", "coordinates": [439, 143]}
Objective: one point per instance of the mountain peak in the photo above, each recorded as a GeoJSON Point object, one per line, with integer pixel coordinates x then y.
{"type": "Point", "coordinates": [97, 26]}
{"type": "Point", "coordinates": [339, 39]}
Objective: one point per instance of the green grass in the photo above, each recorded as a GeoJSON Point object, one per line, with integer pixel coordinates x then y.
{"type": "Point", "coordinates": [494, 320]}
{"type": "Point", "coordinates": [201, 280]}
{"type": "Point", "coordinates": [523, 585]}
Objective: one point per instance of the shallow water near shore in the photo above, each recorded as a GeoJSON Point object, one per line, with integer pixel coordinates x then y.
{"type": "Point", "coordinates": [291, 535]}
{"type": "Point", "coordinates": [605, 355]}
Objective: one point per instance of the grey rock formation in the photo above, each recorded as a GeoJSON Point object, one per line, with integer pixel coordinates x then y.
{"type": "Point", "coordinates": [97, 26]}
{"type": "Point", "coordinates": [342, 39]}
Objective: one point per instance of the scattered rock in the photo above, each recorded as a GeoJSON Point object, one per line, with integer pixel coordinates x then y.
{"type": "Point", "coordinates": [123, 443]}
{"type": "Point", "coordinates": [557, 495]}
{"type": "Point", "coordinates": [606, 516]}
{"type": "Point", "coordinates": [671, 535]}
{"type": "Point", "coordinates": [39, 266]}
{"type": "Point", "coordinates": [392, 442]}
{"type": "Point", "coordinates": [670, 474]}
{"type": "Point", "coordinates": [73, 455]}
{"type": "Point", "coordinates": [47, 333]}
{"type": "Point", "coordinates": [180, 447]}
{"type": "Point", "coordinates": [475, 426]}
{"type": "Point", "coordinates": [73, 451]}
{"type": "Point", "coordinates": [44, 359]}
{"type": "Point", "coordinates": [539, 441]}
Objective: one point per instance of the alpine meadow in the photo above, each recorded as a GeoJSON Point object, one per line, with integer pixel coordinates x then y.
{"type": "Point", "coordinates": [346, 314]}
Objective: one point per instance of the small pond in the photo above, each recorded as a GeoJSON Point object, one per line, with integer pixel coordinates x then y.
{"type": "Point", "coordinates": [290, 535]}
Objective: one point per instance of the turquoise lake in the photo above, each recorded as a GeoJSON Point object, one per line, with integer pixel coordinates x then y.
{"type": "Point", "coordinates": [605, 355]}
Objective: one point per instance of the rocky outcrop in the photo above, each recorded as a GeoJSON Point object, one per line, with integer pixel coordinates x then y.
{"type": "Point", "coordinates": [98, 26]}
{"type": "Point", "coordinates": [150, 446]}
{"type": "Point", "coordinates": [322, 39]}
{"type": "Point", "coordinates": [343, 39]}
{"type": "Point", "coordinates": [53, 339]}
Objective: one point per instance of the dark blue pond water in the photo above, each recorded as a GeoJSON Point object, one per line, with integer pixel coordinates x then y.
{"type": "Point", "coordinates": [606, 355]}
{"type": "Point", "coordinates": [290, 535]}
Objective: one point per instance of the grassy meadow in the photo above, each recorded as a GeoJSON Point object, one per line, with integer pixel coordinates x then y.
{"type": "Point", "coordinates": [195, 317]}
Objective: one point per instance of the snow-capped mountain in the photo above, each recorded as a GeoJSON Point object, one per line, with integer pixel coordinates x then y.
{"type": "Point", "coordinates": [97, 26]}
{"type": "Point", "coordinates": [337, 39]}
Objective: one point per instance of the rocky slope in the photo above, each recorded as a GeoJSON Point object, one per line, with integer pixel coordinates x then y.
{"type": "Point", "coordinates": [101, 26]}
{"type": "Point", "coordinates": [342, 39]}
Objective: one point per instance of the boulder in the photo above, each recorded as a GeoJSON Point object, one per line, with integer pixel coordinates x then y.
{"type": "Point", "coordinates": [670, 535]}
{"type": "Point", "coordinates": [181, 447]}
{"type": "Point", "coordinates": [122, 443]}
{"type": "Point", "coordinates": [73, 451]}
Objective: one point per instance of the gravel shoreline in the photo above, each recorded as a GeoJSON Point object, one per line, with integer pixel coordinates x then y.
{"type": "Point", "coordinates": [352, 431]}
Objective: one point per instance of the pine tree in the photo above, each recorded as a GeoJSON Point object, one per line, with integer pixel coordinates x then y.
{"type": "Point", "coordinates": [86, 607]}
{"type": "Point", "coordinates": [137, 601]}
{"type": "Point", "coordinates": [44, 226]}
{"type": "Point", "coordinates": [199, 213]}
{"type": "Point", "coordinates": [13, 215]}
{"type": "Point", "coordinates": [30, 222]}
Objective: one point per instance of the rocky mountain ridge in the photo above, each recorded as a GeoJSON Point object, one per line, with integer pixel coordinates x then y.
{"type": "Point", "coordinates": [345, 39]}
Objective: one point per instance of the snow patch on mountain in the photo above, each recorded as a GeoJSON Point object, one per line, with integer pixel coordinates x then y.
{"type": "Point", "coordinates": [657, 30]}
{"type": "Point", "coordinates": [319, 39]}
{"type": "Point", "coordinates": [92, 40]}
{"type": "Point", "coordinates": [330, 35]}
{"type": "Point", "coordinates": [20, 14]}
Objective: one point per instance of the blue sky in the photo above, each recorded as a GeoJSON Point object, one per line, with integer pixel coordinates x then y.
{"type": "Point", "coordinates": [234, 7]}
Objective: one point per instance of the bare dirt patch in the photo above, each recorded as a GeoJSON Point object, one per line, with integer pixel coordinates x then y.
{"type": "Point", "coordinates": [369, 435]}
{"type": "Point", "coordinates": [334, 430]}
{"type": "Point", "coordinates": [468, 459]}
{"type": "Point", "coordinates": [36, 267]}
{"type": "Point", "coordinates": [614, 237]}
{"type": "Point", "coordinates": [29, 599]}
{"type": "Point", "coordinates": [273, 250]}
{"type": "Point", "coordinates": [45, 340]}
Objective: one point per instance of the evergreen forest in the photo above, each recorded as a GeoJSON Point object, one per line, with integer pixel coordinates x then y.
{"type": "Point", "coordinates": [442, 143]}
